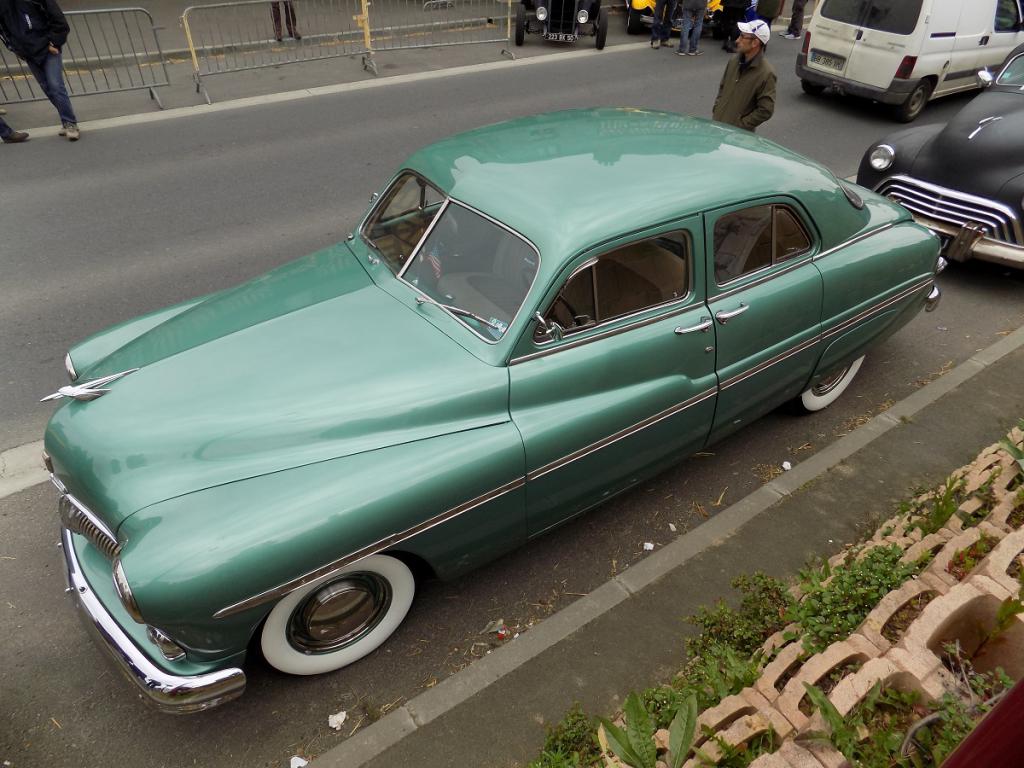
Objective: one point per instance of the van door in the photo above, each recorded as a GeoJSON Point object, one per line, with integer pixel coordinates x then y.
{"type": "Point", "coordinates": [950, 46]}
{"type": "Point", "coordinates": [973, 36]}
{"type": "Point", "coordinates": [1006, 34]}
{"type": "Point", "coordinates": [890, 30]}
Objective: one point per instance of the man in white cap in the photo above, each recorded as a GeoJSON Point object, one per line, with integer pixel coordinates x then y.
{"type": "Point", "coordinates": [746, 95]}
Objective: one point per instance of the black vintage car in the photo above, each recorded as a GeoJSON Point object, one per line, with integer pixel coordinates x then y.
{"type": "Point", "coordinates": [964, 180]}
{"type": "Point", "coordinates": [562, 21]}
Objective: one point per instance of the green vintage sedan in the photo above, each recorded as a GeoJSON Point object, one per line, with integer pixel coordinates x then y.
{"type": "Point", "coordinates": [531, 318]}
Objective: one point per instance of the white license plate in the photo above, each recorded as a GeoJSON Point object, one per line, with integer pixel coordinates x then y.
{"type": "Point", "coordinates": [562, 37]}
{"type": "Point", "coordinates": [828, 61]}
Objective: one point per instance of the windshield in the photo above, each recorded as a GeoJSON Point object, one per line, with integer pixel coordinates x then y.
{"type": "Point", "coordinates": [471, 263]}
{"type": "Point", "coordinates": [896, 16]}
{"type": "Point", "coordinates": [401, 217]}
{"type": "Point", "coordinates": [1013, 73]}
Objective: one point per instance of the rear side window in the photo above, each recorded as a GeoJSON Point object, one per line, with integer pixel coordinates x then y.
{"type": "Point", "coordinates": [896, 16]}
{"type": "Point", "coordinates": [755, 238]}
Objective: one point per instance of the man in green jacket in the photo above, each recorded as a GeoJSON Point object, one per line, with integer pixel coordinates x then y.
{"type": "Point", "coordinates": [746, 95]}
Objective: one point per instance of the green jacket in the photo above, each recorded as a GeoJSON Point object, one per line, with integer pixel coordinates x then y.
{"type": "Point", "coordinates": [746, 99]}
{"type": "Point", "coordinates": [769, 8]}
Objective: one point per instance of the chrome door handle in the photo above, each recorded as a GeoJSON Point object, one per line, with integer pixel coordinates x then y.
{"type": "Point", "coordinates": [725, 317]}
{"type": "Point", "coordinates": [704, 325]}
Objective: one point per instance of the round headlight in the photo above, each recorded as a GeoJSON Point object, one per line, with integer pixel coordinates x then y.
{"type": "Point", "coordinates": [881, 157]}
{"type": "Point", "coordinates": [542, 13]}
{"type": "Point", "coordinates": [582, 16]}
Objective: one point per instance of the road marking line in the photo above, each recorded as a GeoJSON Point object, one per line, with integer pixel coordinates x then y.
{"type": "Point", "coordinates": [329, 90]}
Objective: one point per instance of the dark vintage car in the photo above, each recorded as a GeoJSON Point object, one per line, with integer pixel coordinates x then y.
{"type": "Point", "coordinates": [530, 318]}
{"type": "Point", "coordinates": [964, 179]}
{"type": "Point", "coordinates": [562, 21]}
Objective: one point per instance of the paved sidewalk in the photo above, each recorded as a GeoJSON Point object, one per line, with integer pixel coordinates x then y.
{"type": "Point", "coordinates": [629, 633]}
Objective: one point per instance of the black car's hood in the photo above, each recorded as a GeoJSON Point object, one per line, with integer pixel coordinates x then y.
{"type": "Point", "coordinates": [982, 164]}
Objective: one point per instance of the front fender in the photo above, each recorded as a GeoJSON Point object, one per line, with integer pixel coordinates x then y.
{"type": "Point", "coordinates": [189, 558]}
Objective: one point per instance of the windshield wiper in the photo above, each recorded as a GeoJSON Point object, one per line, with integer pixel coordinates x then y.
{"type": "Point", "coordinates": [457, 311]}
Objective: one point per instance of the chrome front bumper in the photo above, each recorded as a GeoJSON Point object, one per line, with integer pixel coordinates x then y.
{"type": "Point", "coordinates": [174, 694]}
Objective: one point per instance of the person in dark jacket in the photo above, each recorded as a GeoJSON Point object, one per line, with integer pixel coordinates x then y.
{"type": "Point", "coordinates": [732, 13]}
{"type": "Point", "coordinates": [7, 134]}
{"type": "Point", "coordinates": [768, 10]}
{"type": "Point", "coordinates": [36, 30]}
{"type": "Point", "coordinates": [746, 95]}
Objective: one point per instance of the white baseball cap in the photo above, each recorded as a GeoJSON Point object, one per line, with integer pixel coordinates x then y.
{"type": "Point", "coordinates": [757, 28]}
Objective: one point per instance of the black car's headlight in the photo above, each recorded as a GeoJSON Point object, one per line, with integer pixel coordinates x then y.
{"type": "Point", "coordinates": [582, 16]}
{"type": "Point", "coordinates": [882, 157]}
{"type": "Point", "coordinates": [542, 13]}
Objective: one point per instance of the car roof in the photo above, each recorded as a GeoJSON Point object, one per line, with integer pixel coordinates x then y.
{"type": "Point", "coordinates": [572, 179]}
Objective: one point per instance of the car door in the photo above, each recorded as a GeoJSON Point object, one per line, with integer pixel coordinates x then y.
{"type": "Point", "coordinates": [765, 294]}
{"type": "Point", "coordinates": [617, 378]}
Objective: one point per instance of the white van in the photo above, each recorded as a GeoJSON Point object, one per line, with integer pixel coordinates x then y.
{"type": "Point", "coordinates": [905, 52]}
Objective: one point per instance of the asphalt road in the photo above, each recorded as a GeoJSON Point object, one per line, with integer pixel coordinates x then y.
{"type": "Point", "coordinates": [134, 218]}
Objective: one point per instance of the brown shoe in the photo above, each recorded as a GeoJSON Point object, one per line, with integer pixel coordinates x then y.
{"type": "Point", "coordinates": [16, 138]}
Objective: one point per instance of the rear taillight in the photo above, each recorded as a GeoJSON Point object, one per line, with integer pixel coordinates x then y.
{"type": "Point", "coordinates": [906, 68]}
{"type": "Point", "coordinates": [807, 41]}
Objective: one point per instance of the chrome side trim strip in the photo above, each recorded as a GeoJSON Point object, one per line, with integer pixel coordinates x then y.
{"type": "Point", "coordinates": [378, 546]}
{"type": "Point", "coordinates": [673, 310]}
{"type": "Point", "coordinates": [865, 314]}
{"type": "Point", "coordinates": [853, 240]}
{"type": "Point", "coordinates": [769, 363]}
{"type": "Point", "coordinates": [175, 694]}
{"type": "Point", "coordinates": [845, 325]}
{"type": "Point", "coordinates": [623, 433]}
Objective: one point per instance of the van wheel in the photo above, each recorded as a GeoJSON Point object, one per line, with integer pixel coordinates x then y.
{"type": "Point", "coordinates": [812, 89]}
{"type": "Point", "coordinates": [909, 110]}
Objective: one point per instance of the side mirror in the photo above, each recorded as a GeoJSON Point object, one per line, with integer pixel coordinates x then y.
{"type": "Point", "coordinates": [552, 330]}
{"type": "Point", "coordinates": [985, 78]}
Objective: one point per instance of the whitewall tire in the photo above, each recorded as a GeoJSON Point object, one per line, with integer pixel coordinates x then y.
{"type": "Point", "coordinates": [828, 390]}
{"type": "Point", "coordinates": [337, 620]}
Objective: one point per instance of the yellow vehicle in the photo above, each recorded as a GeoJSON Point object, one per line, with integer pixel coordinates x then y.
{"type": "Point", "coordinates": [640, 17]}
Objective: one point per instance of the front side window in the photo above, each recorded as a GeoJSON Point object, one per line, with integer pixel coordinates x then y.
{"type": "Point", "coordinates": [1007, 16]}
{"type": "Point", "coordinates": [622, 282]}
{"type": "Point", "coordinates": [401, 217]}
{"type": "Point", "coordinates": [756, 238]}
{"type": "Point", "coordinates": [1013, 73]}
{"type": "Point", "coordinates": [477, 268]}
{"type": "Point", "coordinates": [898, 17]}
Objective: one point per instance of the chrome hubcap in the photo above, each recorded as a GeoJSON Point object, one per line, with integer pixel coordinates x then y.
{"type": "Point", "coordinates": [829, 383]}
{"type": "Point", "coordinates": [339, 613]}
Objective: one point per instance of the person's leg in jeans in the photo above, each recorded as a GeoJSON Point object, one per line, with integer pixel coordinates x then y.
{"type": "Point", "coordinates": [7, 134]}
{"type": "Point", "coordinates": [684, 32]}
{"type": "Point", "coordinates": [659, 15]}
{"type": "Point", "coordinates": [698, 27]}
{"type": "Point", "coordinates": [796, 23]}
{"type": "Point", "coordinates": [50, 77]}
{"type": "Point", "coordinates": [670, 14]}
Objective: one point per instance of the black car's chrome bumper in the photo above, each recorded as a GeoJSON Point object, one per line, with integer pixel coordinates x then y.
{"type": "Point", "coordinates": [169, 693]}
{"type": "Point", "coordinates": [983, 248]}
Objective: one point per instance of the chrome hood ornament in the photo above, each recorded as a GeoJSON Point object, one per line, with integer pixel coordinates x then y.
{"type": "Point", "coordinates": [982, 124]}
{"type": "Point", "coordinates": [90, 390]}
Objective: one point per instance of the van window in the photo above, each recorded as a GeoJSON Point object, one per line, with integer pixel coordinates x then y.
{"type": "Point", "coordinates": [896, 16]}
{"type": "Point", "coordinates": [1007, 16]}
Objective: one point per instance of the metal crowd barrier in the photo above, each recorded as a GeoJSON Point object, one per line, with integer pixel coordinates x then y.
{"type": "Point", "coordinates": [107, 51]}
{"type": "Point", "coordinates": [238, 36]}
{"type": "Point", "coordinates": [234, 37]}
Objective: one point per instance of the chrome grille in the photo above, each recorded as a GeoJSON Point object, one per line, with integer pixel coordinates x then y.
{"type": "Point", "coordinates": [76, 517]}
{"type": "Point", "coordinates": [957, 208]}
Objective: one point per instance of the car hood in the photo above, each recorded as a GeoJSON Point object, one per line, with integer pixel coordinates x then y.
{"type": "Point", "coordinates": [308, 363]}
{"type": "Point", "coordinates": [984, 163]}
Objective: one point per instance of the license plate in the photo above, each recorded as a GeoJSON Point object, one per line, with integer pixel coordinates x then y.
{"type": "Point", "coordinates": [562, 37]}
{"type": "Point", "coordinates": [828, 60]}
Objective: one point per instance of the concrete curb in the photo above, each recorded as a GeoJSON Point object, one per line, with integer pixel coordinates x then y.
{"type": "Point", "coordinates": [21, 468]}
{"type": "Point", "coordinates": [371, 741]}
